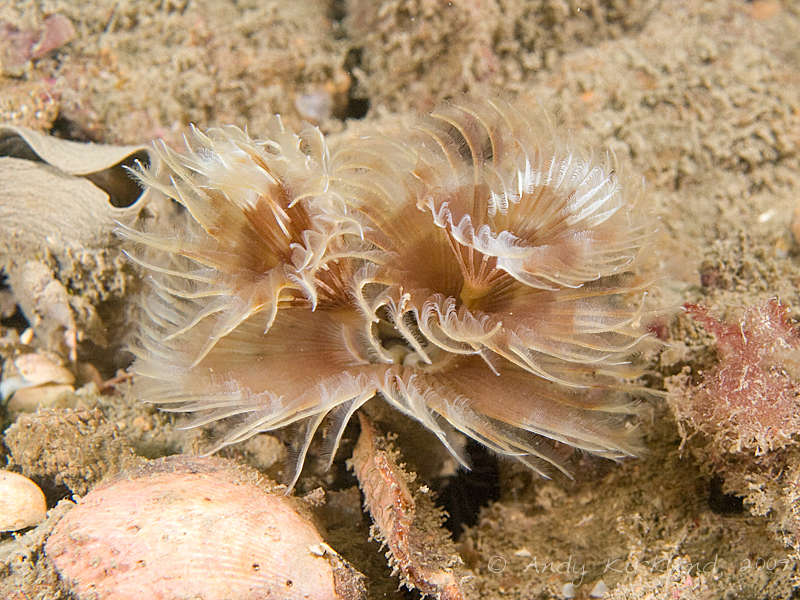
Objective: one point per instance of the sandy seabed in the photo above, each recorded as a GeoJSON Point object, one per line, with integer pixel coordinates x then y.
{"type": "Point", "coordinates": [702, 98]}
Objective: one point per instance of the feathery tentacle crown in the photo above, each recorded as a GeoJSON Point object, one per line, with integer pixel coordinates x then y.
{"type": "Point", "coordinates": [468, 268]}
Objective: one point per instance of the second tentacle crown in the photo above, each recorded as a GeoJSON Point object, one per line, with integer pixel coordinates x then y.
{"type": "Point", "coordinates": [470, 268]}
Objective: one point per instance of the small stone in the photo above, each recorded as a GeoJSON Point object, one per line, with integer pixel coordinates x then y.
{"type": "Point", "coordinates": [31, 370]}
{"type": "Point", "coordinates": [42, 368]}
{"type": "Point", "coordinates": [22, 503]}
{"type": "Point", "coordinates": [599, 590]}
{"type": "Point", "coordinates": [29, 400]}
{"type": "Point", "coordinates": [26, 337]}
{"type": "Point", "coordinates": [316, 106]}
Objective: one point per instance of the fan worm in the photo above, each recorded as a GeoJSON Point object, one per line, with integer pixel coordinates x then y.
{"type": "Point", "coordinates": [469, 268]}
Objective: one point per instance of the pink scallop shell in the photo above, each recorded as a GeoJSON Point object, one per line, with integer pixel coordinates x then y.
{"type": "Point", "coordinates": [194, 528]}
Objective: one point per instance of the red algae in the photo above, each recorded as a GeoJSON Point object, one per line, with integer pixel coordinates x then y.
{"type": "Point", "coordinates": [748, 401]}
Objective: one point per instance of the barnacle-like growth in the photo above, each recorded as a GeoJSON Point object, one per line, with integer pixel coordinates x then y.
{"type": "Point", "coordinates": [469, 268]}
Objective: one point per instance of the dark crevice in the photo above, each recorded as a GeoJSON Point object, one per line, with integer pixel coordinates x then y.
{"type": "Point", "coordinates": [67, 129]}
{"type": "Point", "coordinates": [337, 11]}
{"type": "Point", "coordinates": [344, 477]}
{"type": "Point", "coordinates": [13, 320]}
{"type": "Point", "coordinates": [16, 147]}
{"type": "Point", "coordinates": [722, 503]}
{"type": "Point", "coordinates": [16, 321]}
{"type": "Point", "coordinates": [356, 106]}
{"type": "Point", "coordinates": [464, 494]}
{"type": "Point", "coordinates": [122, 189]}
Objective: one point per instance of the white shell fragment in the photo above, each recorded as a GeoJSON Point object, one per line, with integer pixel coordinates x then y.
{"type": "Point", "coordinates": [34, 370]}
{"type": "Point", "coordinates": [22, 503]}
{"type": "Point", "coordinates": [199, 528]}
{"type": "Point", "coordinates": [59, 202]}
{"type": "Point", "coordinates": [599, 590]}
{"type": "Point", "coordinates": [42, 368]}
{"type": "Point", "coordinates": [31, 399]}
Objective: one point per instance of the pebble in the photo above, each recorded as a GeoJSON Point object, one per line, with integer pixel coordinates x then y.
{"type": "Point", "coordinates": [33, 370]}
{"type": "Point", "coordinates": [22, 503]}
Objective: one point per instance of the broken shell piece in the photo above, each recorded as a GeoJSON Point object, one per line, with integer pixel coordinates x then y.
{"type": "Point", "coordinates": [42, 368]}
{"type": "Point", "coordinates": [599, 590]}
{"type": "Point", "coordinates": [316, 106]}
{"type": "Point", "coordinates": [22, 503]}
{"type": "Point", "coordinates": [203, 526]}
{"type": "Point", "coordinates": [31, 399]}
{"type": "Point", "coordinates": [31, 370]}
{"type": "Point", "coordinates": [59, 202]}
